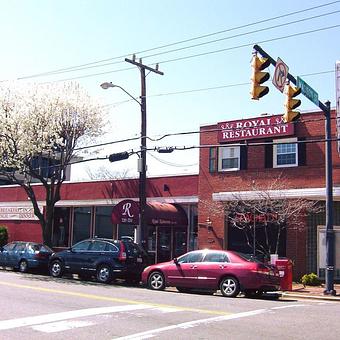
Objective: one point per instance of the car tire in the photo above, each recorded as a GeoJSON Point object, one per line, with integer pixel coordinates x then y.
{"type": "Point", "coordinates": [156, 281]}
{"type": "Point", "coordinates": [230, 286]}
{"type": "Point", "coordinates": [23, 266]}
{"type": "Point", "coordinates": [104, 273]}
{"type": "Point", "coordinates": [56, 268]}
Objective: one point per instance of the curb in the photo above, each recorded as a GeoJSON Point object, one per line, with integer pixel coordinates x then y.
{"type": "Point", "coordinates": [312, 297]}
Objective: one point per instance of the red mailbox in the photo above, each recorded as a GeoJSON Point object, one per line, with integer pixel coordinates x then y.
{"type": "Point", "coordinates": [285, 267]}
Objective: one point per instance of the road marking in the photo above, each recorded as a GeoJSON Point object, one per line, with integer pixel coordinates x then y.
{"type": "Point", "coordinates": [39, 319]}
{"type": "Point", "coordinates": [62, 326]}
{"type": "Point", "coordinates": [189, 324]}
{"type": "Point", "coordinates": [107, 298]}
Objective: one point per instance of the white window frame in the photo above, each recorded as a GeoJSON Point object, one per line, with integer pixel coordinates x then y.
{"type": "Point", "coordinates": [275, 154]}
{"type": "Point", "coordinates": [222, 155]}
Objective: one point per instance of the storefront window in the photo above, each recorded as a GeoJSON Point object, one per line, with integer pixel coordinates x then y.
{"type": "Point", "coordinates": [61, 227]}
{"type": "Point", "coordinates": [126, 230]}
{"type": "Point", "coordinates": [103, 224]}
{"type": "Point", "coordinates": [81, 224]}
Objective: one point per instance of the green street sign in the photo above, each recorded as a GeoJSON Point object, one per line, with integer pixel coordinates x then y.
{"type": "Point", "coordinates": [306, 90]}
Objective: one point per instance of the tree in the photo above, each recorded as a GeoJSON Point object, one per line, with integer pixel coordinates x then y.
{"type": "Point", "coordinates": [266, 210]}
{"type": "Point", "coordinates": [104, 173]}
{"type": "Point", "coordinates": [41, 126]}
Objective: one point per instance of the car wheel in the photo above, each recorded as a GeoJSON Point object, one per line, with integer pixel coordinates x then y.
{"type": "Point", "coordinates": [104, 274]}
{"type": "Point", "coordinates": [23, 266]}
{"type": "Point", "coordinates": [229, 286]}
{"type": "Point", "coordinates": [56, 269]}
{"type": "Point", "coordinates": [156, 281]}
{"type": "Point", "coordinates": [183, 290]}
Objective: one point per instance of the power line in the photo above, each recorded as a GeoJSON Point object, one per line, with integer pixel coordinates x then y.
{"type": "Point", "coordinates": [94, 64]}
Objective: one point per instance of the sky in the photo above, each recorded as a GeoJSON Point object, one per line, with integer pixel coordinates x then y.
{"type": "Point", "coordinates": [203, 47]}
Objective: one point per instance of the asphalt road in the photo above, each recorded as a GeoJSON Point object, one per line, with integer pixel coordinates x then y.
{"type": "Point", "coordinates": [40, 307]}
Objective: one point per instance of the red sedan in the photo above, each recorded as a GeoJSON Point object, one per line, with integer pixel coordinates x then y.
{"type": "Point", "coordinates": [229, 271]}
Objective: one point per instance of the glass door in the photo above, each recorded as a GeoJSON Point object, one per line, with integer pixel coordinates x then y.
{"type": "Point", "coordinates": [163, 244]}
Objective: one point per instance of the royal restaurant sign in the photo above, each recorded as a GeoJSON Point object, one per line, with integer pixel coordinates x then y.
{"type": "Point", "coordinates": [260, 127]}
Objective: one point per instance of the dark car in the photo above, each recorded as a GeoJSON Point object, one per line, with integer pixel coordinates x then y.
{"type": "Point", "coordinates": [24, 256]}
{"type": "Point", "coordinates": [105, 259]}
{"type": "Point", "coordinates": [229, 271]}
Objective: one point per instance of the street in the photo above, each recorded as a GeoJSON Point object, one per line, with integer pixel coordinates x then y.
{"type": "Point", "coordinates": [37, 306]}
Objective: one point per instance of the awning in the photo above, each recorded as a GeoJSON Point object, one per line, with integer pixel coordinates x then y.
{"type": "Point", "coordinates": [156, 213]}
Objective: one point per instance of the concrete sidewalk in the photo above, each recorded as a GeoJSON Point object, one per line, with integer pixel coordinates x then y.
{"type": "Point", "coordinates": [312, 292]}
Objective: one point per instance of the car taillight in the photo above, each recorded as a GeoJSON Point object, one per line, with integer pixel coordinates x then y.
{"type": "Point", "coordinates": [122, 253]}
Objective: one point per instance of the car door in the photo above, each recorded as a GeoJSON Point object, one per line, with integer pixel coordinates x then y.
{"type": "Point", "coordinates": [210, 270]}
{"type": "Point", "coordinates": [183, 271]}
{"type": "Point", "coordinates": [76, 257]}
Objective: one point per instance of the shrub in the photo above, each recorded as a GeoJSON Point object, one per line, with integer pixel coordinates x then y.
{"type": "Point", "coordinates": [3, 236]}
{"type": "Point", "coordinates": [310, 280]}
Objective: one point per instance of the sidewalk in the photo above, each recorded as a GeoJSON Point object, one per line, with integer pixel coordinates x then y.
{"type": "Point", "coordinates": [311, 292]}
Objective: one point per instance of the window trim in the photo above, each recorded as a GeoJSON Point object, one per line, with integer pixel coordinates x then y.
{"type": "Point", "coordinates": [285, 141]}
{"type": "Point", "coordinates": [238, 156]}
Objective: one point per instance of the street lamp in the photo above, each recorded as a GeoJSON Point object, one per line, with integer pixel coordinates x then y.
{"type": "Point", "coordinates": [141, 163]}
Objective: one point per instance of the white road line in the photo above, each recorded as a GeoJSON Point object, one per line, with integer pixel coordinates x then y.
{"type": "Point", "coordinates": [47, 318]}
{"type": "Point", "coordinates": [61, 326]}
{"type": "Point", "coordinates": [189, 324]}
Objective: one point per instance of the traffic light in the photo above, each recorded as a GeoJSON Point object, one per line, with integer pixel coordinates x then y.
{"type": "Point", "coordinates": [258, 64]}
{"type": "Point", "coordinates": [118, 156]}
{"type": "Point", "coordinates": [291, 104]}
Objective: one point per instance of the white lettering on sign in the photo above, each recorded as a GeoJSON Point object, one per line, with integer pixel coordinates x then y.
{"type": "Point", "coordinates": [254, 128]}
{"type": "Point", "coordinates": [17, 213]}
{"type": "Point", "coordinates": [126, 210]}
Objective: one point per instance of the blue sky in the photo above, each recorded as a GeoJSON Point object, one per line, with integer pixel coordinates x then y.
{"type": "Point", "coordinates": [42, 36]}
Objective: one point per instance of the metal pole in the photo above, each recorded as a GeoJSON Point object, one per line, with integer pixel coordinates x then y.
{"type": "Point", "coordinates": [142, 173]}
{"type": "Point", "coordinates": [329, 274]}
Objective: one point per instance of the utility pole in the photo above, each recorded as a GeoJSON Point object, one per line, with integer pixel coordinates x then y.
{"type": "Point", "coordinates": [142, 160]}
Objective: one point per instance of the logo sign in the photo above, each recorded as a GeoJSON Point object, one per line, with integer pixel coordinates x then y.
{"type": "Point", "coordinates": [307, 91]}
{"type": "Point", "coordinates": [126, 212]}
{"type": "Point", "coordinates": [280, 75]}
{"type": "Point", "coordinates": [261, 127]}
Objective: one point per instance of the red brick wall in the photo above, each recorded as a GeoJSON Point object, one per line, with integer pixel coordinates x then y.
{"type": "Point", "coordinates": [312, 175]}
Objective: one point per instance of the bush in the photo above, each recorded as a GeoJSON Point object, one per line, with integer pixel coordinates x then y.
{"type": "Point", "coordinates": [310, 280]}
{"type": "Point", "coordinates": [3, 236]}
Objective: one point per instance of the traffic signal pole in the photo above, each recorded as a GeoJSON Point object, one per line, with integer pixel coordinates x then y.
{"type": "Point", "coordinates": [330, 244]}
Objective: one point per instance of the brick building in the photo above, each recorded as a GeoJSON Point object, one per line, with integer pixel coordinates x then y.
{"type": "Point", "coordinates": [261, 150]}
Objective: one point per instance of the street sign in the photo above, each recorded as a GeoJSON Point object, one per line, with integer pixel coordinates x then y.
{"type": "Point", "coordinates": [306, 90]}
{"type": "Point", "coordinates": [280, 75]}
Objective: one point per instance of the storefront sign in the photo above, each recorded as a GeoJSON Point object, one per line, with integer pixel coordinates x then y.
{"type": "Point", "coordinates": [260, 127]}
{"type": "Point", "coordinates": [17, 213]}
{"type": "Point", "coordinates": [126, 212]}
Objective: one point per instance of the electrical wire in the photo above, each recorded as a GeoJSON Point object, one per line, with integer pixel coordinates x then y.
{"type": "Point", "coordinates": [94, 64]}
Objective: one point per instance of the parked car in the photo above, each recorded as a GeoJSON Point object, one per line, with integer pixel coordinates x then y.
{"type": "Point", "coordinates": [105, 259]}
{"type": "Point", "coordinates": [24, 256]}
{"type": "Point", "coordinates": [229, 271]}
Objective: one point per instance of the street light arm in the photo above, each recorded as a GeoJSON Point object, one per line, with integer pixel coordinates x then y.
{"type": "Point", "coordinates": [107, 85]}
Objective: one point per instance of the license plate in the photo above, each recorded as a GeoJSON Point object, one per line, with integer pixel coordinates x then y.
{"type": "Point", "coordinates": [139, 259]}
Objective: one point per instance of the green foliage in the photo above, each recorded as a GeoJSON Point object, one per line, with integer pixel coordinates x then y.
{"type": "Point", "coordinates": [310, 280]}
{"type": "Point", "coordinates": [3, 236]}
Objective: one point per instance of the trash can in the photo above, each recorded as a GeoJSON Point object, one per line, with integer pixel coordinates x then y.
{"type": "Point", "coordinates": [285, 267]}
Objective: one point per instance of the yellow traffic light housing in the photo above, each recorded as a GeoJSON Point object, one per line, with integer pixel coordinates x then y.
{"type": "Point", "coordinates": [291, 104]}
{"type": "Point", "coordinates": [258, 64]}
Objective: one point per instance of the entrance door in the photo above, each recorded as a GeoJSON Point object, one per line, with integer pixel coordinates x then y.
{"type": "Point", "coordinates": [163, 244]}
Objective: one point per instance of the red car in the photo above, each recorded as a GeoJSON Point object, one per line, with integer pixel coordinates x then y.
{"type": "Point", "coordinates": [229, 271]}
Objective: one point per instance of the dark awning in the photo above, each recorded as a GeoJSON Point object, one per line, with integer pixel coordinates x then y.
{"type": "Point", "coordinates": [156, 213]}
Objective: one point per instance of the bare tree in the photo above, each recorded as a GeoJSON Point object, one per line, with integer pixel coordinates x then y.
{"type": "Point", "coordinates": [104, 173]}
{"type": "Point", "coordinates": [267, 209]}
{"type": "Point", "coordinates": [41, 125]}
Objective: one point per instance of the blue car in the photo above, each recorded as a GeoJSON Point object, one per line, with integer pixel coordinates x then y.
{"type": "Point", "coordinates": [24, 256]}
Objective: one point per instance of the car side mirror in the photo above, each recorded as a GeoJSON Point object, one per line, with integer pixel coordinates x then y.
{"type": "Point", "coordinates": [175, 260]}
